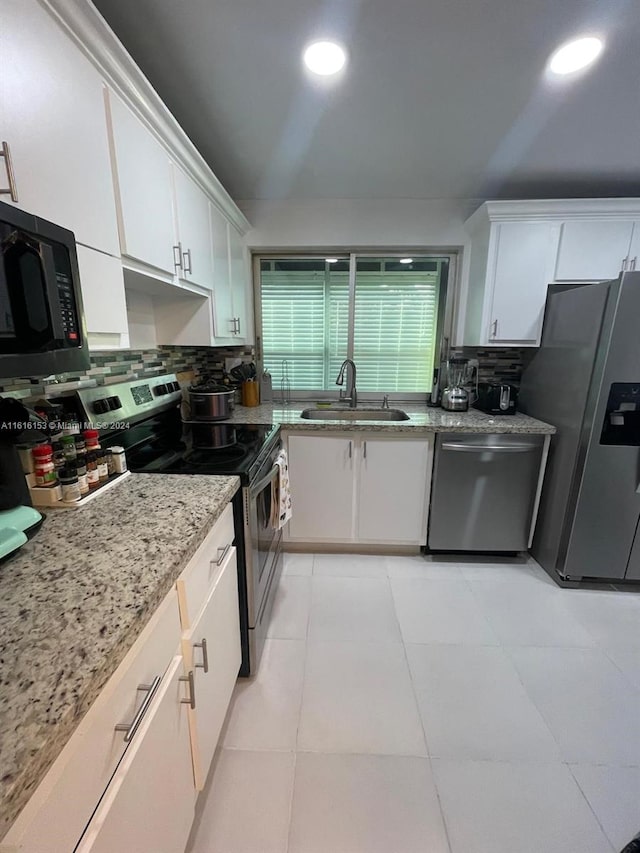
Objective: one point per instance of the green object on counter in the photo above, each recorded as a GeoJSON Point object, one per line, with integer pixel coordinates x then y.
{"type": "Point", "coordinates": [14, 524]}
{"type": "Point", "coordinates": [10, 540]}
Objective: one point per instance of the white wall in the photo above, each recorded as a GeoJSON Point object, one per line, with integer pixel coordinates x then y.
{"type": "Point", "coordinates": [365, 224]}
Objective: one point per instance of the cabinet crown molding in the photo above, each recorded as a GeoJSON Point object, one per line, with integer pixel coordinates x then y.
{"type": "Point", "coordinates": [88, 29]}
{"type": "Point", "coordinates": [551, 209]}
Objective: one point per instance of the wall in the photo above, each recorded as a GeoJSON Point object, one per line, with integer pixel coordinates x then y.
{"type": "Point", "coordinates": [366, 224]}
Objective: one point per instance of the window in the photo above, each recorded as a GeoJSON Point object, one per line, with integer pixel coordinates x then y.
{"type": "Point", "coordinates": [384, 312]}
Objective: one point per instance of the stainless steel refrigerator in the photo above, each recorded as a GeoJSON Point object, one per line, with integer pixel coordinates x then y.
{"type": "Point", "coordinates": [585, 380]}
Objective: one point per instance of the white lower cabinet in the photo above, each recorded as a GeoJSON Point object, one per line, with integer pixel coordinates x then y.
{"type": "Point", "coordinates": [125, 779]}
{"type": "Point", "coordinates": [321, 473]}
{"type": "Point", "coordinates": [359, 488]}
{"type": "Point", "coordinates": [211, 650]}
{"type": "Point", "coordinates": [149, 804]}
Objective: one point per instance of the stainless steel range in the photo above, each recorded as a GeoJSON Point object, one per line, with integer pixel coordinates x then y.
{"type": "Point", "coordinates": [157, 441]}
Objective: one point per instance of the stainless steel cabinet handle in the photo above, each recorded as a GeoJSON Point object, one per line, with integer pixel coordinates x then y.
{"type": "Point", "coordinates": [497, 448]}
{"type": "Point", "coordinates": [494, 329]}
{"type": "Point", "coordinates": [350, 450]}
{"type": "Point", "coordinates": [364, 449]}
{"type": "Point", "coordinates": [191, 701]}
{"type": "Point", "coordinates": [238, 323]}
{"type": "Point", "coordinates": [222, 555]}
{"type": "Point", "coordinates": [12, 191]}
{"type": "Point", "coordinates": [187, 256]}
{"type": "Point", "coordinates": [177, 256]}
{"type": "Point", "coordinates": [624, 264]}
{"type": "Point", "coordinates": [130, 728]}
{"type": "Point", "coordinates": [205, 656]}
{"type": "Point", "coordinates": [633, 262]}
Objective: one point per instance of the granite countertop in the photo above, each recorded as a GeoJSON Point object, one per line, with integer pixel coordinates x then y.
{"type": "Point", "coordinates": [420, 417]}
{"type": "Point", "coordinates": [72, 603]}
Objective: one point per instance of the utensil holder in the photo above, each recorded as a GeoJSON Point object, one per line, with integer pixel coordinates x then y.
{"type": "Point", "coordinates": [250, 393]}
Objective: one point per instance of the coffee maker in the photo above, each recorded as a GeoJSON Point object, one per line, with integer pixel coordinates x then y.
{"type": "Point", "coordinates": [18, 519]}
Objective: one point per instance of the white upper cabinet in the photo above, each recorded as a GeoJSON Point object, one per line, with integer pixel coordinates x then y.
{"type": "Point", "coordinates": [142, 173]}
{"type": "Point", "coordinates": [223, 317]}
{"type": "Point", "coordinates": [193, 231]}
{"type": "Point", "coordinates": [52, 117]}
{"type": "Point", "coordinates": [105, 308]}
{"type": "Point", "coordinates": [519, 271]}
{"type": "Point", "coordinates": [518, 248]}
{"type": "Point", "coordinates": [593, 249]}
{"type": "Point", "coordinates": [240, 280]}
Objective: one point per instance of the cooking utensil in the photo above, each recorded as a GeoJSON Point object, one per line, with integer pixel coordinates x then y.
{"type": "Point", "coordinates": [210, 401]}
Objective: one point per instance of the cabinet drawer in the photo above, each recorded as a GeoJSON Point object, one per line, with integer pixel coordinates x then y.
{"type": "Point", "coordinates": [69, 793]}
{"type": "Point", "coordinates": [195, 581]}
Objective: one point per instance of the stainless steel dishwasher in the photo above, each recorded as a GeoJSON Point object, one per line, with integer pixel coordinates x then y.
{"type": "Point", "coordinates": [483, 491]}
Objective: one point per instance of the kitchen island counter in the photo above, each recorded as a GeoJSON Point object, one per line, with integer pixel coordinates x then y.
{"type": "Point", "coordinates": [73, 601]}
{"type": "Point", "coordinates": [421, 418]}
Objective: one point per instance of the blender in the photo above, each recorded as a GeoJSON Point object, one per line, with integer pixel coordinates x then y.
{"type": "Point", "coordinates": [455, 397]}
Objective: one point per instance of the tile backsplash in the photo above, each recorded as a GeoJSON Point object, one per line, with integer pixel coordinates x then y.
{"type": "Point", "coordinates": [107, 366]}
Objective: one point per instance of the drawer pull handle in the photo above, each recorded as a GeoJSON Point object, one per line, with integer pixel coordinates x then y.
{"type": "Point", "coordinates": [221, 557]}
{"type": "Point", "coordinates": [177, 256]}
{"type": "Point", "coordinates": [12, 191]}
{"type": "Point", "coordinates": [205, 657]}
{"type": "Point", "coordinates": [130, 728]}
{"type": "Point", "coordinates": [191, 701]}
{"type": "Point", "coordinates": [187, 257]}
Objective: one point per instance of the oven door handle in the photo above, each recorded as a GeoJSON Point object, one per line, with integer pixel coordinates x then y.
{"type": "Point", "coordinates": [255, 490]}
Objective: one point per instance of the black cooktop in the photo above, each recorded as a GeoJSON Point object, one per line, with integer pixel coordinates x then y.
{"type": "Point", "coordinates": [243, 448]}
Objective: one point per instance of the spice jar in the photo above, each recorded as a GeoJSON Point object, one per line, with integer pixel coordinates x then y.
{"type": "Point", "coordinates": [80, 444]}
{"type": "Point", "coordinates": [83, 482]}
{"type": "Point", "coordinates": [92, 469]}
{"type": "Point", "coordinates": [103, 468]}
{"type": "Point", "coordinates": [68, 443]}
{"type": "Point", "coordinates": [91, 438]}
{"type": "Point", "coordinates": [45, 472]}
{"type": "Point", "coordinates": [58, 455]}
{"type": "Point", "coordinates": [119, 460]}
{"type": "Point", "coordinates": [70, 484]}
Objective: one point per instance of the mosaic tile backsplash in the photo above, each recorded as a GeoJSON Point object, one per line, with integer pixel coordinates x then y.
{"type": "Point", "coordinates": [495, 365]}
{"type": "Point", "coordinates": [108, 367]}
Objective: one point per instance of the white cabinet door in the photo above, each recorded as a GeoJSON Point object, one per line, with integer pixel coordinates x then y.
{"type": "Point", "coordinates": [634, 249]}
{"type": "Point", "coordinates": [223, 317]}
{"type": "Point", "coordinates": [392, 490]}
{"type": "Point", "coordinates": [239, 274]}
{"type": "Point", "coordinates": [52, 116]}
{"type": "Point", "coordinates": [103, 296]}
{"type": "Point", "coordinates": [212, 650]}
{"type": "Point", "coordinates": [142, 172]}
{"type": "Point", "coordinates": [521, 267]}
{"type": "Point", "coordinates": [149, 804]}
{"type": "Point", "coordinates": [321, 471]}
{"type": "Point", "coordinates": [592, 249]}
{"type": "Point", "coordinates": [194, 233]}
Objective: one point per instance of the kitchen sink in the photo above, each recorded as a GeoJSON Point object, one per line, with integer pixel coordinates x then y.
{"type": "Point", "coordinates": [339, 413]}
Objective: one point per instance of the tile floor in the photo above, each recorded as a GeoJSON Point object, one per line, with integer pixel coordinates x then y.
{"type": "Point", "coordinates": [409, 705]}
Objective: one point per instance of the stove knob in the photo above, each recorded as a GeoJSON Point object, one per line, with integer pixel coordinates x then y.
{"type": "Point", "coordinates": [175, 386]}
{"type": "Point", "coordinates": [114, 403]}
{"type": "Point", "coordinates": [100, 407]}
{"type": "Point", "coordinates": [160, 390]}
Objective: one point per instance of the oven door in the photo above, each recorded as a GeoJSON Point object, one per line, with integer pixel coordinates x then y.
{"type": "Point", "coordinates": [263, 540]}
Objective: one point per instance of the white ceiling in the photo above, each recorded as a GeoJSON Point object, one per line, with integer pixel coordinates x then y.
{"type": "Point", "coordinates": [441, 98]}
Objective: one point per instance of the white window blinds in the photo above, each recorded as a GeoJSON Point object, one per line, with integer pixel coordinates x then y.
{"type": "Point", "coordinates": [305, 322]}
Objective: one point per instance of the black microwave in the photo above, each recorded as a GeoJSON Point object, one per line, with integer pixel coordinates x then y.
{"type": "Point", "coordinates": [42, 329]}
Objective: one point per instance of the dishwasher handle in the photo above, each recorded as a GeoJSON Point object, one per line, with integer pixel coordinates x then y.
{"type": "Point", "coordinates": [489, 448]}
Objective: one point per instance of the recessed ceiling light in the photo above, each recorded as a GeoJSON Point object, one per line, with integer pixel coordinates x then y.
{"type": "Point", "coordinates": [324, 57]}
{"type": "Point", "coordinates": [575, 55]}
{"type": "Point", "coordinates": [406, 260]}
{"type": "Point", "coordinates": [331, 260]}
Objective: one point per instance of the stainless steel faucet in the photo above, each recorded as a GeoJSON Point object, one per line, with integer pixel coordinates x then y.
{"type": "Point", "coordinates": [350, 393]}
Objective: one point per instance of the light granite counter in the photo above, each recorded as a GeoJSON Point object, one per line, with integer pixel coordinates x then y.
{"type": "Point", "coordinates": [421, 417]}
{"type": "Point", "coordinates": [72, 603]}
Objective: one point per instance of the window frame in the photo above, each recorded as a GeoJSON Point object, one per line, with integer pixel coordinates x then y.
{"type": "Point", "coordinates": [445, 322]}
